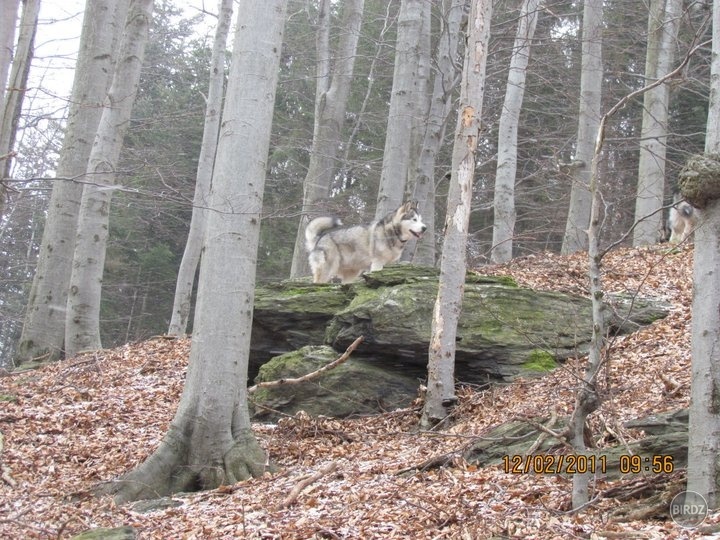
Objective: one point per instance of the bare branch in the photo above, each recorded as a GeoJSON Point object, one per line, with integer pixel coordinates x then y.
{"type": "Point", "coordinates": [312, 375]}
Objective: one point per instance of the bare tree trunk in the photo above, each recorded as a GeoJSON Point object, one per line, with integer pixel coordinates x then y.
{"type": "Point", "coordinates": [82, 322]}
{"type": "Point", "coordinates": [504, 198]}
{"type": "Point", "coordinates": [422, 94]}
{"type": "Point", "coordinates": [445, 80]}
{"type": "Point", "coordinates": [196, 234]}
{"type": "Point", "coordinates": [333, 90]}
{"type": "Point", "coordinates": [663, 25]}
{"type": "Point", "coordinates": [589, 117]}
{"type": "Point", "coordinates": [16, 90]}
{"type": "Point", "coordinates": [590, 394]}
{"type": "Point", "coordinates": [704, 426]}
{"type": "Point", "coordinates": [588, 397]}
{"type": "Point", "coordinates": [8, 19]}
{"type": "Point", "coordinates": [43, 332]}
{"type": "Point", "coordinates": [448, 304]}
{"type": "Point", "coordinates": [398, 136]}
{"type": "Point", "coordinates": [210, 441]}
{"type": "Point", "coordinates": [704, 435]}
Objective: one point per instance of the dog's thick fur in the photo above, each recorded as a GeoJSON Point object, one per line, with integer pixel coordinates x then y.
{"type": "Point", "coordinates": [346, 252]}
{"type": "Point", "coordinates": [682, 221]}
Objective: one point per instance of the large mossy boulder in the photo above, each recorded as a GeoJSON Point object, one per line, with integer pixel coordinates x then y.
{"type": "Point", "coordinates": [355, 387]}
{"type": "Point", "coordinates": [503, 331]}
{"type": "Point", "coordinates": [501, 327]}
{"type": "Point", "coordinates": [291, 314]}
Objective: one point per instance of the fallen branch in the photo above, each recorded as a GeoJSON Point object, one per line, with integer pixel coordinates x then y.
{"type": "Point", "coordinates": [435, 462]}
{"type": "Point", "coordinates": [4, 469]}
{"type": "Point", "coordinates": [306, 481]}
{"type": "Point", "coordinates": [545, 432]}
{"type": "Point", "coordinates": [312, 374]}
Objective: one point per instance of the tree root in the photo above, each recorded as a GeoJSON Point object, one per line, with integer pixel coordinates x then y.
{"type": "Point", "coordinates": [173, 468]}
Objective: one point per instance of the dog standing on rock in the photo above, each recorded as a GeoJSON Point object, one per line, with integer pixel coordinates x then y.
{"type": "Point", "coordinates": [346, 252]}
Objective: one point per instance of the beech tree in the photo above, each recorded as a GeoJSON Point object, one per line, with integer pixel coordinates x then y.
{"type": "Point", "coordinates": [704, 429]}
{"type": "Point", "coordinates": [448, 304]}
{"type": "Point", "coordinates": [210, 441]}
{"type": "Point", "coordinates": [444, 82]}
{"type": "Point", "coordinates": [403, 108]}
{"type": "Point", "coordinates": [43, 331]}
{"type": "Point", "coordinates": [16, 89]}
{"type": "Point", "coordinates": [8, 19]}
{"type": "Point", "coordinates": [663, 23]}
{"type": "Point", "coordinates": [591, 79]}
{"type": "Point", "coordinates": [82, 318]}
{"type": "Point", "coordinates": [334, 80]}
{"type": "Point", "coordinates": [504, 198]}
{"type": "Point", "coordinates": [591, 390]}
{"type": "Point", "coordinates": [196, 235]}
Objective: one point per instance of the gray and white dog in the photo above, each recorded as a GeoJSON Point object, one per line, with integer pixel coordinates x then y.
{"type": "Point", "coordinates": [682, 221]}
{"type": "Point", "coordinates": [346, 252]}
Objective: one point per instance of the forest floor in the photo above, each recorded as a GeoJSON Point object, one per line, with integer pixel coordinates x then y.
{"type": "Point", "coordinates": [93, 417]}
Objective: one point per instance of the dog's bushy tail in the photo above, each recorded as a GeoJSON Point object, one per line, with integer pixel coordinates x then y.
{"type": "Point", "coordinates": [316, 228]}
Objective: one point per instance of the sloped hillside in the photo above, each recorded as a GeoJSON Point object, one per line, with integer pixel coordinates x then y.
{"type": "Point", "coordinates": [93, 417]}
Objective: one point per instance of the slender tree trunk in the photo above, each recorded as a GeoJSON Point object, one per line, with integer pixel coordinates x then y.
{"type": "Point", "coordinates": [398, 136]}
{"type": "Point", "coordinates": [196, 235]}
{"type": "Point", "coordinates": [16, 90]}
{"type": "Point", "coordinates": [588, 397]}
{"type": "Point", "coordinates": [448, 304]}
{"type": "Point", "coordinates": [663, 25]}
{"type": "Point", "coordinates": [82, 322]}
{"type": "Point", "coordinates": [333, 90]}
{"type": "Point", "coordinates": [704, 426]}
{"type": "Point", "coordinates": [360, 115]}
{"type": "Point", "coordinates": [422, 94]}
{"type": "Point", "coordinates": [589, 117]}
{"type": "Point", "coordinates": [210, 441]}
{"type": "Point", "coordinates": [445, 79]}
{"type": "Point", "coordinates": [590, 393]}
{"type": "Point", "coordinates": [8, 19]}
{"type": "Point", "coordinates": [504, 199]}
{"type": "Point", "coordinates": [43, 332]}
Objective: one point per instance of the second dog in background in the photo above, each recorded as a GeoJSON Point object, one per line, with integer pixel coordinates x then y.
{"type": "Point", "coordinates": [346, 252]}
{"type": "Point", "coordinates": [682, 221]}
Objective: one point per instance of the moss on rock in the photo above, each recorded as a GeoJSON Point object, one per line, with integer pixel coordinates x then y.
{"type": "Point", "coordinates": [354, 387]}
{"type": "Point", "coordinates": [540, 361]}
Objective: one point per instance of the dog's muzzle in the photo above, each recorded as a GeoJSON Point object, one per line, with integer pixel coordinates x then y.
{"type": "Point", "coordinates": [419, 235]}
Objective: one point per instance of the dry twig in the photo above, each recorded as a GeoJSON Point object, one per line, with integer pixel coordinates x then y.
{"type": "Point", "coordinates": [313, 374]}
{"type": "Point", "coordinates": [306, 481]}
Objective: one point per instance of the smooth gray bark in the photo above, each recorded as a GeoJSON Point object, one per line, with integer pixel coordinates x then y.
{"type": "Point", "coordinates": [334, 80]}
{"type": "Point", "coordinates": [8, 20]}
{"type": "Point", "coordinates": [43, 332]}
{"type": "Point", "coordinates": [504, 197]}
{"type": "Point", "coordinates": [82, 318]}
{"type": "Point", "coordinates": [16, 86]}
{"type": "Point", "coordinates": [206, 161]}
{"type": "Point", "coordinates": [704, 426]}
{"type": "Point", "coordinates": [210, 442]}
{"type": "Point", "coordinates": [445, 80]}
{"type": "Point", "coordinates": [403, 109]}
{"type": "Point", "coordinates": [589, 117]}
{"type": "Point", "coordinates": [663, 25]}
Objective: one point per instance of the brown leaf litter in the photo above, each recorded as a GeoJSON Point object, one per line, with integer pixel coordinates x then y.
{"type": "Point", "coordinates": [92, 418]}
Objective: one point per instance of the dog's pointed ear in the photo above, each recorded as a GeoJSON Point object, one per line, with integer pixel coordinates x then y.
{"type": "Point", "coordinates": [410, 206]}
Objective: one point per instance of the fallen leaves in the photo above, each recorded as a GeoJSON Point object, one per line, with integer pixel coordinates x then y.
{"type": "Point", "coordinates": [94, 417]}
